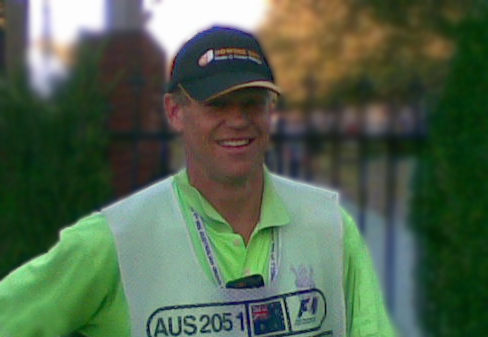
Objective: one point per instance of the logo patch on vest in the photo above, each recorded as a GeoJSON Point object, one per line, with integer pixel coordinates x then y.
{"type": "Point", "coordinates": [307, 312]}
{"type": "Point", "coordinates": [287, 314]}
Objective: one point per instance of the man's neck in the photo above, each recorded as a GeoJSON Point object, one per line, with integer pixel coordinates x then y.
{"type": "Point", "coordinates": [238, 202]}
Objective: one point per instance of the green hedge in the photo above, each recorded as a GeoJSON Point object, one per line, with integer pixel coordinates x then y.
{"type": "Point", "coordinates": [450, 206]}
{"type": "Point", "coordinates": [53, 160]}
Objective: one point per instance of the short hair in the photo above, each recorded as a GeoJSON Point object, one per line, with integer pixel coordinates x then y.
{"type": "Point", "coordinates": [180, 97]}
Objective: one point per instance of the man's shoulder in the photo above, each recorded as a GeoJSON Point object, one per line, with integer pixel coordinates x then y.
{"type": "Point", "coordinates": [153, 192]}
{"type": "Point", "coordinates": [287, 185]}
{"type": "Point", "coordinates": [90, 233]}
{"type": "Point", "coordinates": [90, 243]}
{"type": "Point", "coordinates": [159, 200]}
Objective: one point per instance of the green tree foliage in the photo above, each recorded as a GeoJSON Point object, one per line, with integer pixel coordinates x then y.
{"type": "Point", "coordinates": [343, 43]}
{"type": "Point", "coordinates": [451, 195]}
{"type": "Point", "coordinates": [53, 166]}
{"type": "Point", "coordinates": [2, 11]}
{"type": "Point", "coordinates": [441, 16]}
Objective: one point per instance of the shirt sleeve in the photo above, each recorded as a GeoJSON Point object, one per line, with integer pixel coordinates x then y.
{"type": "Point", "coordinates": [366, 315]}
{"type": "Point", "coordinates": [63, 290]}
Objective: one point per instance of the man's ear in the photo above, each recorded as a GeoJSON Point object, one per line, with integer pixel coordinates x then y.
{"type": "Point", "coordinates": [174, 112]}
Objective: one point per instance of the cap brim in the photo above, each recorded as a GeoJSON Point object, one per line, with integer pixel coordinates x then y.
{"type": "Point", "coordinates": [209, 88]}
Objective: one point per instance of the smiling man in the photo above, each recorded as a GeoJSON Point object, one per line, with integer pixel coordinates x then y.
{"type": "Point", "coordinates": [225, 141]}
{"type": "Point", "coordinates": [223, 248]}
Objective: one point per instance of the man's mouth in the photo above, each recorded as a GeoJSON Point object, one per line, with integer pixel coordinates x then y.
{"type": "Point", "coordinates": [233, 143]}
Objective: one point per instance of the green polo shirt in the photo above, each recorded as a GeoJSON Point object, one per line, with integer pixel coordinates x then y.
{"type": "Point", "coordinates": [76, 286]}
{"type": "Point", "coordinates": [235, 260]}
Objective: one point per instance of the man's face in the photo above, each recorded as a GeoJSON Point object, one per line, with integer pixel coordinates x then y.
{"type": "Point", "coordinates": [226, 138]}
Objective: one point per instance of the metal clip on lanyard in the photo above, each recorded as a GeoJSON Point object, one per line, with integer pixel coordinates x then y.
{"type": "Point", "coordinates": [212, 261]}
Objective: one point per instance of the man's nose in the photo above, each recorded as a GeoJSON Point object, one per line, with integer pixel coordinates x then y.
{"type": "Point", "coordinates": [237, 117]}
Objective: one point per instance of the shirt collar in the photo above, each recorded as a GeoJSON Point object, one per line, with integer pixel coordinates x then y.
{"type": "Point", "coordinates": [273, 211]}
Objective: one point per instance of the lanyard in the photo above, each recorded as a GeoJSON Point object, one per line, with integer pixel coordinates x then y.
{"type": "Point", "coordinates": [212, 261]}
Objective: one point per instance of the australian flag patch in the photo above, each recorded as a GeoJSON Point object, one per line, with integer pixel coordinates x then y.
{"type": "Point", "coordinates": [267, 318]}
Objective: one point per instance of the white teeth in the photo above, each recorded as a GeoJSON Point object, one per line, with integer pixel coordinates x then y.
{"type": "Point", "coordinates": [234, 142]}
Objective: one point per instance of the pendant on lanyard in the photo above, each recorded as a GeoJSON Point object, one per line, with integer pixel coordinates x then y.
{"type": "Point", "coordinates": [212, 261]}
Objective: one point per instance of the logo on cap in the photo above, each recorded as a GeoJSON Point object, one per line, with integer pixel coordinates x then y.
{"type": "Point", "coordinates": [229, 54]}
{"type": "Point", "coordinates": [206, 58]}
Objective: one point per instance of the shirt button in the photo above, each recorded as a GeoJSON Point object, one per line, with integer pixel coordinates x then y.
{"type": "Point", "coordinates": [237, 242]}
{"type": "Point", "coordinates": [247, 272]}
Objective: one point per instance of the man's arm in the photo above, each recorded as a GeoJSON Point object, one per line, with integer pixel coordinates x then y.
{"type": "Point", "coordinates": [60, 292]}
{"type": "Point", "coordinates": [365, 312]}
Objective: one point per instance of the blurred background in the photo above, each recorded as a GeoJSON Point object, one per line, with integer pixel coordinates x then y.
{"type": "Point", "coordinates": [384, 101]}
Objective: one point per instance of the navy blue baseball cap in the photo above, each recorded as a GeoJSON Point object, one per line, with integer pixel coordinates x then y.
{"type": "Point", "coordinates": [220, 60]}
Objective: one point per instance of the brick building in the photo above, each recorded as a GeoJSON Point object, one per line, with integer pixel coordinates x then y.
{"type": "Point", "coordinates": [2, 38]}
{"type": "Point", "coordinates": [133, 61]}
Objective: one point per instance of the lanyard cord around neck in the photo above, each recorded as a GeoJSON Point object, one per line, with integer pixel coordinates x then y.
{"type": "Point", "coordinates": [210, 255]}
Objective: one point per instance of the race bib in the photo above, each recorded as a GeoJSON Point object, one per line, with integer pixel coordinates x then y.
{"type": "Point", "coordinates": [297, 313]}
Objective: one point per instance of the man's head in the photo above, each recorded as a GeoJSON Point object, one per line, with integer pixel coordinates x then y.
{"type": "Point", "coordinates": [220, 60]}
{"type": "Point", "coordinates": [220, 95]}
